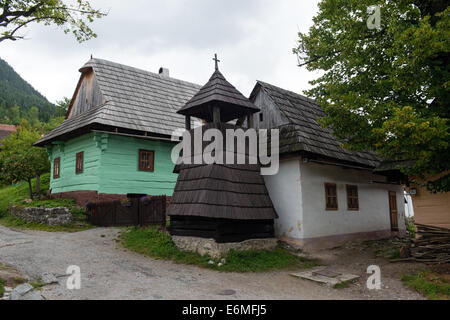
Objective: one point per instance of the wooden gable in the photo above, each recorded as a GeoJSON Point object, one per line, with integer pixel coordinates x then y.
{"type": "Point", "coordinates": [87, 94]}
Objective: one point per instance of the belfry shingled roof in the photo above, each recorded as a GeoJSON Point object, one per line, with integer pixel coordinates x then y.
{"type": "Point", "coordinates": [134, 99]}
{"type": "Point", "coordinates": [219, 91]}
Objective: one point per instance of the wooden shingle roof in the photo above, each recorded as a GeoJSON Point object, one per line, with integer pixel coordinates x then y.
{"type": "Point", "coordinates": [304, 133]}
{"type": "Point", "coordinates": [218, 91]}
{"type": "Point", "coordinates": [134, 99]}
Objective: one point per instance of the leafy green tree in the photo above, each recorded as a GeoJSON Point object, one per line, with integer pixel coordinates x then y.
{"type": "Point", "coordinates": [33, 116]}
{"type": "Point", "coordinates": [19, 160]}
{"type": "Point", "coordinates": [14, 114]}
{"type": "Point", "coordinates": [51, 124]}
{"type": "Point", "coordinates": [72, 16]}
{"type": "Point", "coordinates": [62, 106]}
{"type": "Point", "coordinates": [385, 87]}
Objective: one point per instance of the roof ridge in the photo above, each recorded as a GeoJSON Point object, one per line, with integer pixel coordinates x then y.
{"type": "Point", "coordinates": [154, 74]}
{"type": "Point", "coordinates": [303, 97]}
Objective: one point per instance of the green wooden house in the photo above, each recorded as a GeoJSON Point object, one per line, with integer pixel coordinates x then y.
{"type": "Point", "coordinates": [116, 139]}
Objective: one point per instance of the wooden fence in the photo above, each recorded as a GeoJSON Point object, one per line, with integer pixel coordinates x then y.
{"type": "Point", "coordinates": [137, 211]}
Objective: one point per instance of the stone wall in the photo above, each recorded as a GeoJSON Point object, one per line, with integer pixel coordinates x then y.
{"type": "Point", "coordinates": [210, 247]}
{"type": "Point", "coordinates": [50, 216]}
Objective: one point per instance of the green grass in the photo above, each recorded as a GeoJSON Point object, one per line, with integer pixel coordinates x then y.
{"type": "Point", "coordinates": [159, 245]}
{"type": "Point", "coordinates": [431, 285]}
{"type": "Point", "coordinates": [341, 285]}
{"type": "Point", "coordinates": [2, 287]}
{"type": "Point", "coordinates": [37, 284]}
{"type": "Point", "coordinates": [411, 227]}
{"type": "Point", "coordinates": [17, 194]}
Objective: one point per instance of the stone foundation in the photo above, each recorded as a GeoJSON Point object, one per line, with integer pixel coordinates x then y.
{"type": "Point", "coordinates": [205, 246]}
{"type": "Point", "coordinates": [50, 216]}
{"type": "Point", "coordinates": [82, 197]}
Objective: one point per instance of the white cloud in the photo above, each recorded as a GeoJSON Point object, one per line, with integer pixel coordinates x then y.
{"type": "Point", "coordinates": [253, 38]}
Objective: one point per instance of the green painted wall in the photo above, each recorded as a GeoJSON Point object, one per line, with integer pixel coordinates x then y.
{"type": "Point", "coordinates": [68, 180]}
{"type": "Point", "coordinates": [111, 165]}
{"type": "Point", "coordinates": [119, 171]}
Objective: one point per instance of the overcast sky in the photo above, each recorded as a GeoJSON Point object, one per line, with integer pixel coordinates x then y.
{"type": "Point", "coordinates": [253, 39]}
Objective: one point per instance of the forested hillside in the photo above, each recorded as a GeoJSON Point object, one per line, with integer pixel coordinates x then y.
{"type": "Point", "coordinates": [19, 100]}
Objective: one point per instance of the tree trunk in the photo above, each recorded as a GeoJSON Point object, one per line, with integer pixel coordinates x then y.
{"type": "Point", "coordinates": [38, 185]}
{"type": "Point", "coordinates": [30, 188]}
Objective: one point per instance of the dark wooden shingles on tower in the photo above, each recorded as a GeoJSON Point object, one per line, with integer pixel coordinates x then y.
{"type": "Point", "coordinates": [230, 191]}
{"type": "Point", "coordinates": [218, 91]}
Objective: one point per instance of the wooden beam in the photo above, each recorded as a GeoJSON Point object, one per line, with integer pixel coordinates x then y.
{"type": "Point", "coordinates": [216, 114]}
{"type": "Point", "coordinates": [188, 122]}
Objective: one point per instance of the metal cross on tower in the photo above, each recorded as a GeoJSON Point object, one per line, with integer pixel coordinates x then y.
{"type": "Point", "coordinates": [216, 61]}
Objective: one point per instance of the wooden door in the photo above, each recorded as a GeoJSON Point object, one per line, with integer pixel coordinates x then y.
{"type": "Point", "coordinates": [393, 210]}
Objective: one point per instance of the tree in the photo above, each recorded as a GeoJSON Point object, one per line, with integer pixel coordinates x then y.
{"type": "Point", "coordinates": [62, 106]}
{"type": "Point", "coordinates": [385, 88]}
{"type": "Point", "coordinates": [19, 160]}
{"type": "Point", "coordinates": [72, 17]}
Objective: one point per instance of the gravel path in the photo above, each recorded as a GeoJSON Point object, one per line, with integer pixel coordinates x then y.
{"type": "Point", "coordinates": [108, 271]}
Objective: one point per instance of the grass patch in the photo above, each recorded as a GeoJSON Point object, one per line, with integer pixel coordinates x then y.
{"type": "Point", "coordinates": [411, 227]}
{"type": "Point", "coordinates": [2, 287]}
{"type": "Point", "coordinates": [19, 280]}
{"type": "Point", "coordinates": [395, 254]}
{"type": "Point", "coordinates": [432, 285]}
{"type": "Point", "coordinates": [37, 284]}
{"type": "Point", "coordinates": [17, 194]}
{"type": "Point", "coordinates": [159, 245]}
{"type": "Point", "coordinates": [386, 248]}
{"type": "Point", "coordinates": [341, 285]}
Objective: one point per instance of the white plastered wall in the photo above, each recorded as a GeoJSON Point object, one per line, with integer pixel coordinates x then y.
{"type": "Point", "coordinates": [298, 194]}
{"type": "Point", "coordinates": [373, 214]}
{"type": "Point", "coordinates": [285, 191]}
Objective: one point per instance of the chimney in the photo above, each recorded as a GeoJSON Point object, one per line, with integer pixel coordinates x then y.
{"type": "Point", "coordinates": [164, 72]}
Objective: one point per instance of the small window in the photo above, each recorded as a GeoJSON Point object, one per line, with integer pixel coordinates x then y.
{"type": "Point", "coordinates": [56, 167]}
{"type": "Point", "coordinates": [331, 196]}
{"type": "Point", "coordinates": [261, 117]}
{"type": "Point", "coordinates": [352, 198]}
{"type": "Point", "coordinates": [79, 162]}
{"type": "Point", "coordinates": [146, 160]}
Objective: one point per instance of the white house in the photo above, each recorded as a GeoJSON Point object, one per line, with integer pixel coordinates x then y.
{"type": "Point", "coordinates": [324, 195]}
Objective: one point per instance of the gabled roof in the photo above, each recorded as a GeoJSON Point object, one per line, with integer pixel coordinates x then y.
{"type": "Point", "coordinates": [135, 99]}
{"type": "Point", "coordinates": [218, 91]}
{"type": "Point", "coordinates": [304, 133]}
{"type": "Point", "coordinates": [6, 130]}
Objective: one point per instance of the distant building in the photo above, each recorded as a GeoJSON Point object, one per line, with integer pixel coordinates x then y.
{"type": "Point", "coordinates": [431, 209]}
{"type": "Point", "coordinates": [6, 130]}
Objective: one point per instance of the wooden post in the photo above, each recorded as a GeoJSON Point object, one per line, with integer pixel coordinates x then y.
{"type": "Point", "coordinates": [250, 121]}
{"type": "Point", "coordinates": [188, 122]}
{"type": "Point", "coordinates": [216, 114]}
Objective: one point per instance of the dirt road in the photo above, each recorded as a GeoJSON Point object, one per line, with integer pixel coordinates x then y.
{"type": "Point", "coordinates": [108, 271]}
